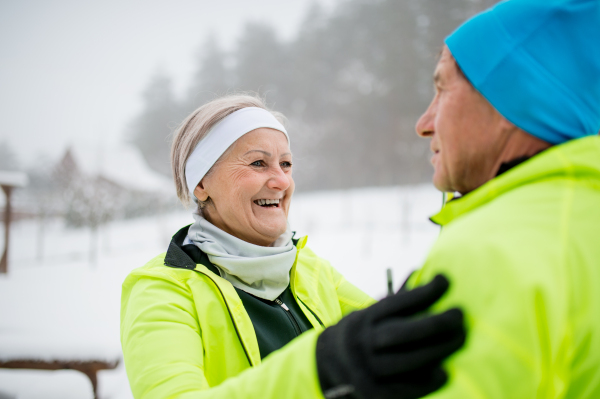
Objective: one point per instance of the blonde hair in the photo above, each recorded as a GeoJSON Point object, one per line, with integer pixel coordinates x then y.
{"type": "Point", "coordinates": [195, 127]}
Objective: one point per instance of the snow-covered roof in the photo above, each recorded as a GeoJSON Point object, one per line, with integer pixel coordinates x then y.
{"type": "Point", "coordinates": [14, 179]}
{"type": "Point", "coordinates": [122, 164]}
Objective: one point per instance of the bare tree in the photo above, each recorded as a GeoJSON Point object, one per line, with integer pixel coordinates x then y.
{"type": "Point", "coordinates": [92, 202]}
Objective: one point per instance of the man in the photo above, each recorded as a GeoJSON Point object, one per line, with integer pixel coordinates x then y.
{"type": "Point", "coordinates": [513, 128]}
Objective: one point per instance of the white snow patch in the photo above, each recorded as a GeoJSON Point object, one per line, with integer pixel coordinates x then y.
{"type": "Point", "coordinates": [41, 384]}
{"type": "Point", "coordinates": [66, 307]}
{"type": "Point", "coordinates": [362, 232]}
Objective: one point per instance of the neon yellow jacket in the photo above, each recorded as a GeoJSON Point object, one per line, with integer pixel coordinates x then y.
{"type": "Point", "coordinates": [522, 253]}
{"type": "Point", "coordinates": [186, 334]}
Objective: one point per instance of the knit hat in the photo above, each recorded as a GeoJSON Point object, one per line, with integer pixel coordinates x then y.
{"type": "Point", "coordinates": [538, 63]}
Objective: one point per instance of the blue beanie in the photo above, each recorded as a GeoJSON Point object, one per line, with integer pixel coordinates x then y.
{"type": "Point", "coordinates": [538, 63]}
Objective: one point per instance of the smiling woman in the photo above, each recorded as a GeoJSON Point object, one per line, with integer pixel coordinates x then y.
{"type": "Point", "coordinates": [253, 185]}
{"type": "Point", "coordinates": [235, 289]}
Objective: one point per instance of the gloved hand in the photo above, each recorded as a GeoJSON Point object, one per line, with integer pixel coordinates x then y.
{"type": "Point", "coordinates": [389, 350]}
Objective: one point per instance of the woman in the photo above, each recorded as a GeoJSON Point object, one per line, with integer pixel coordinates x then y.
{"type": "Point", "coordinates": [237, 306]}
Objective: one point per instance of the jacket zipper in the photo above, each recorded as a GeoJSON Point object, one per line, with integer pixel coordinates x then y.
{"type": "Point", "coordinates": [290, 315]}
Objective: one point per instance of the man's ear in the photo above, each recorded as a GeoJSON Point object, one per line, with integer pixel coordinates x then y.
{"type": "Point", "coordinates": [200, 193]}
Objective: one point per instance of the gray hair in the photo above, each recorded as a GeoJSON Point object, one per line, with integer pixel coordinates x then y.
{"type": "Point", "coordinates": [195, 127]}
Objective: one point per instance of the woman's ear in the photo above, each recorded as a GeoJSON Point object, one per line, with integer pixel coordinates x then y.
{"type": "Point", "coordinates": [200, 193]}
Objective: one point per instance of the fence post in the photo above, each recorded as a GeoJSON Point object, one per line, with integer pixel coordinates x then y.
{"type": "Point", "coordinates": [7, 215]}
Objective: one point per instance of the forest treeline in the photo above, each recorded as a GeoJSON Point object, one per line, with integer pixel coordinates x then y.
{"type": "Point", "coordinates": [352, 84]}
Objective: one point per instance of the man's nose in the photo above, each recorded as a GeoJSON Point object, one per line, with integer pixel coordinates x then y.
{"type": "Point", "coordinates": [424, 126]}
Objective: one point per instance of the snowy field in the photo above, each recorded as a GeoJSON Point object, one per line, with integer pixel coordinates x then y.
{"type": "Point", "coordinates": [57, 303]}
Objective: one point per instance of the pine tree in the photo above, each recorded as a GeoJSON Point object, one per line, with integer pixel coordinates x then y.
{"type": "Point", "coordinates": [151, 130]}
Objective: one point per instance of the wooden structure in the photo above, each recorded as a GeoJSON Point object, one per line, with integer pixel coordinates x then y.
{"type": "Point", "coordinates": [8, 181]}
{"type": "Point", "coordinates": [89, 368]}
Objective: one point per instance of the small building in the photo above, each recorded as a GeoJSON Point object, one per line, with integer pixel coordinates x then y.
{"type": "Point", "coordinates": [119, 174]}
{"type": "Point", "coordinates": [122, 165]}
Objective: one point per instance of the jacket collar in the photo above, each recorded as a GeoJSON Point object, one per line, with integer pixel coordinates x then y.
{"type": "Point", "coordinates": [192, 258]}
{"type": "Point", "coordinates": [577, 160]}
{"type": "Point", "coordinates": [186, 256]}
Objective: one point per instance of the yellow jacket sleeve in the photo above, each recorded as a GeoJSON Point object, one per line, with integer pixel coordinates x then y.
{"type": "Point", "coordinates": [163, 347]}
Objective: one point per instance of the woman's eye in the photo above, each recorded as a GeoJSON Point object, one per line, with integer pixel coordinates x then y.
{"type": "Point", "coordinates": [286, 164]}
{"type": "Point", "coordinates": [257, 163]}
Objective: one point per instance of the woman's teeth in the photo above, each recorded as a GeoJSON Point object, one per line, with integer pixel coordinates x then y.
{"type": "Point", "coordinates": [267, 202]}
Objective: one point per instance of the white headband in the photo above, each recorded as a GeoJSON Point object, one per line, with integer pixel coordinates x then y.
{"type": "Point", "coordinates": [221, 136]}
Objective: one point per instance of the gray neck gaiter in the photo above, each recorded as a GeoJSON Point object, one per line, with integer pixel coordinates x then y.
{"type": "Point", "coordinates": [261, 271]}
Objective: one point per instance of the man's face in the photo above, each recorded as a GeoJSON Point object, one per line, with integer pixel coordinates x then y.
{"type": "Point", "coordinates": [466, 131]}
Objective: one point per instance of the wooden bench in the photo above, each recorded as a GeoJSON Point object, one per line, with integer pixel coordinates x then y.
{"type": "Point", "coordinates": [89, 368]}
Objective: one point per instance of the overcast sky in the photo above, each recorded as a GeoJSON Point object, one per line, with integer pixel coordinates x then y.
{"type": "Point", "coordinates": [73, 70]}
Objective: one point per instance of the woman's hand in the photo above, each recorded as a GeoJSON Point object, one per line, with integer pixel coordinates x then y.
{"type": "Point", "coordinates": [390, 350]}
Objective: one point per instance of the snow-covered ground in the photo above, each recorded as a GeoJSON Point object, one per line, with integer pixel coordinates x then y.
{"type": "Point", "coordinates": [56, 303]}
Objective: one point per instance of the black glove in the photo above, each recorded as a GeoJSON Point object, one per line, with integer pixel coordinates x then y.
{"type": "Point", "coordinates": [389, 350]}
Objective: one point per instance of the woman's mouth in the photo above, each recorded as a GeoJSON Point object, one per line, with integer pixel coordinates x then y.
{"type": "Point", "coordinates": [267, 203]}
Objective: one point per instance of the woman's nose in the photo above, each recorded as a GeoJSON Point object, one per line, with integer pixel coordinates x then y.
{"type": "Point", "coordinates": [279, 180]}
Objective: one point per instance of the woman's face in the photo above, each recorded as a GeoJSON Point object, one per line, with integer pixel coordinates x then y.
{"type": "Point", "coordinates": [251, 188]}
